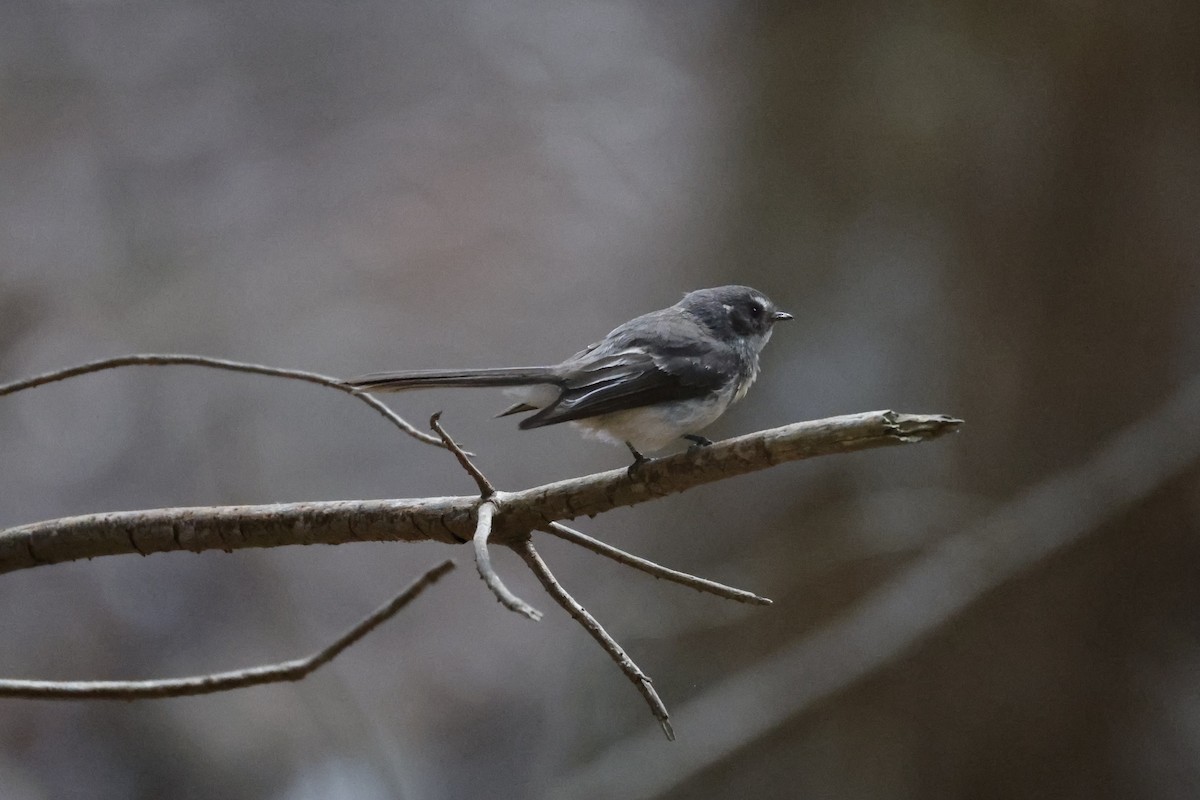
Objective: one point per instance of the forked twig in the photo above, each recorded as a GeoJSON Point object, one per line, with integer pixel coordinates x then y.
{"type": "Point", "coordinates": [485, 512]}
{"type": "Point", "coordinates": [483, 562]}
{"type": "Point", "coordinates": [223, 681]}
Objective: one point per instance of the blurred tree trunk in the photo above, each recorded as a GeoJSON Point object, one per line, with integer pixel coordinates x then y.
{"type": "Point", "coordinates": [1071, 286]}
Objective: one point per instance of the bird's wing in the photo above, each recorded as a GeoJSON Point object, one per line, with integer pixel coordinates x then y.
{"type": "Point", "coordinates": [628, 371]}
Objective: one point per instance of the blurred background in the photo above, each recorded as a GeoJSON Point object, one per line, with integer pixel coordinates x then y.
{"type": "Point", "coordinates": [986, 210]}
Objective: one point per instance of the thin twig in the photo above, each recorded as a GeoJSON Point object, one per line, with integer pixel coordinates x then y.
{"type": "Point", "coordinates": [484, 514]}
{"type": "Point", "coordinates": [223, 681]}
{"type": "Point", "coordinates": [486, 489]}
{"type": "Point", "coordinates": [657, 570]}
{"type": "Point", "coordinates": [580, 614]}
{"type": "Point", "coordinates": [483, 562]}
{"type": "Point", "coordinates": [218, 363]}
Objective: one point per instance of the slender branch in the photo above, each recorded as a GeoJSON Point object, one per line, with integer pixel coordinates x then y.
{"type": "Point", "coordinates": [483, 562]}
{"type": "Point", "coordinates": [486, 489]}
{"type": "Point", "coordinates": [158, 360]}
{"type": "Point", "coordinates": [640, 679]}
{"type": "Point", "coordinates": [450, 519]}
{"type": "Point", "coordinates": [657, 570]}
{"type": "Point", "coordinates": [223, 681]}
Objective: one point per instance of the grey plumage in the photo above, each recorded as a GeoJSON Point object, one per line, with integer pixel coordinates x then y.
{"type": "Point", "coordinates": [702, 353]}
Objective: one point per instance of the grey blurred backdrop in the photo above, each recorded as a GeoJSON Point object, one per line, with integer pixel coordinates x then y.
{"type": "Point", "coordinates": [990, 210]}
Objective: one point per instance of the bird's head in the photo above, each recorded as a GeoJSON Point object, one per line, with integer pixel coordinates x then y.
{"type": "Point", "coordinates": [737, 311]}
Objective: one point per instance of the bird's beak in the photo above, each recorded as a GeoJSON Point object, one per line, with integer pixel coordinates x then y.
{"type": "Point", "coordinates": [781, 315]}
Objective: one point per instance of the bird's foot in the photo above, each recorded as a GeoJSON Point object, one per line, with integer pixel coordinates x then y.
{"type": "Point", "coordinates": [639, 461]}
{"type": "Point", "coordinates": [697, 441]}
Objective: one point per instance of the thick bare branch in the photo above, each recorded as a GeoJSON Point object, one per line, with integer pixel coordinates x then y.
{"type": "Point", "coordinates": [657, 570]}
{"type": "Point", "coordinates": [222, 681]}
{"type": "Point", "coordinates": [640, 679]}
{"type": "Point", "coordinates": [450, 519]}
{"type": "Point", "coordinates": [445, 519]}
{"type": "Point", "coordinates": [160, 360]}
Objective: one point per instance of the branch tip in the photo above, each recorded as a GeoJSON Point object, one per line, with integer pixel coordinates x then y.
{"type": "Point", "coordinates": [483, 562]}
{"type": "Point", "coordinates": [919, 427]}
{"type": "Point", "coordinates": [640, 680]}
{"type": "Point", "coordinates": [486, 489]}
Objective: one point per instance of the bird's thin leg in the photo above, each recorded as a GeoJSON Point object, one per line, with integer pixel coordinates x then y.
{"type": "Point", "coordinates": [697, 440]}
{"type": "Point", "coordinates": [637, 455]}
{"type": "Point", "coordinates": [638, 459]}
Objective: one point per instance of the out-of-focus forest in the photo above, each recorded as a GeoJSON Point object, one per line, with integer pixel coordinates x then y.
{"type": "Point", "coordinates": [986, 210]}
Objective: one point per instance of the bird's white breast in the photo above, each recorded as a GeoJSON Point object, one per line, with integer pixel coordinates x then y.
{"type": "Point", "coordinates": [651, 428]}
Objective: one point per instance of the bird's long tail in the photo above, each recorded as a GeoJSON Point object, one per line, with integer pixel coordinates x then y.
{"type": "Point", "coordinates": [434, 378]}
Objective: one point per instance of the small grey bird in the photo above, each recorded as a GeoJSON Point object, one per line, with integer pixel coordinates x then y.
{"type": "Point", "coordinates": [657, 378]}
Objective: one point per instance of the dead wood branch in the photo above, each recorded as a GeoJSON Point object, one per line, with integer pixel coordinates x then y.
{"type": "Point", "coordinates": [450, 519]}
{"type": "Point", "coordinates": [294, 670]}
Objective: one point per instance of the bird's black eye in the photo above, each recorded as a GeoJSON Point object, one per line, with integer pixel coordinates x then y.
{"type": "Point", "coordinates": [756, 310]}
